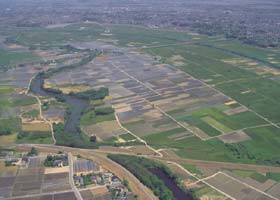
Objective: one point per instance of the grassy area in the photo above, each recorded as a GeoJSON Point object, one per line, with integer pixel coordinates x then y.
{"type": "Point", "coordinates": [215, 124]}
{"type": "Point", "coordinates": [273, 176]}
{"type": "Point", "coordinates": [24, 101]}
{"type": "Point", "coordinates": [260, 95]}
{"type": "Point", "coordinates": [253, 52]}
{"type": "Point", "coordinates": [8, 99]}
{"type": "Point", "coordinates": [90, 118]}
{"type": "Point", "coordinates": [192, 168]}
{"type": "Point", "coordinates": [8, 140]}
{"type": "Point", "coordinates": [131, 124]}
{"type": "Point", "coordinates": [97, 102]}
{"type": "Point", "coordinates": [254, 175]}
{"type": "Point", "coordinates": [257, 176]}
{"type": "Point", "coordinates": [206, 63]}
{"type": "Point", "coordinates": [127, 136]}
{"type": "Point", "coordinates": [161, 139]}
{"type": "Point", "coordinates": [31, 114]}
{"type": "Point", "coordinates": [195, 148]}
{"type": "Point", "coordinates": [264, 144]}
{"type": "Point", "coordinates": [244, 152]}
{"type": "Point", "coordinates": [207, 191]}
{"type": "Point", "coordinates": [213, 121]}
{"type": "Point", "coordinates": [205, 127]}
{"type": "Point", "coordinates": [5, 102]}
{"type": "Point", "coordinates": [205, 66]}
{"type": "Point", "coordinates": [38, 137]}
{"type": "Point", "coordinates": [10, 58]}
{"type": "Point", "coordinates": [47, 38]}
{"type": "Point", "coordinates": [139, 36]}
{"type": "Point", "coordinates": [10, 125]}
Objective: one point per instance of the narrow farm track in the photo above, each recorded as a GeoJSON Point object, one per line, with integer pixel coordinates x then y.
{"type": "Point", "coordinates": [27, 92]}
{"type": "Point", "coordinates": [140, 139]}
{"type": "Point", "coordinates": [155, 106]}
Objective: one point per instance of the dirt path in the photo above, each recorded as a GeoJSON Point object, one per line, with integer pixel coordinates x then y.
{"type": "Point", "coordinates": [40, 109]}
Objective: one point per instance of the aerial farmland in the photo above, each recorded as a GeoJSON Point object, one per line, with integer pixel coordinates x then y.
{"type": "Point", "coordinates": [114, 111]}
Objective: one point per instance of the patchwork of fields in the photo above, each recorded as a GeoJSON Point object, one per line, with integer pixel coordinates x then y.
{"type": "Point", "coordinates": [171, 109]}
{"type": "Point", "coordinates": [183, 95]}
{"type": "Point", "coordinates": [201, 97]}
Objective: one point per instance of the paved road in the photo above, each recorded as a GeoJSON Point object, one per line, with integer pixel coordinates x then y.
{"type": "Point", "coordinates": [215, 164]}
{"type": "Point", "coordinates": [136, 186]}
{"type": "Point", "coordinates": [222, 165]}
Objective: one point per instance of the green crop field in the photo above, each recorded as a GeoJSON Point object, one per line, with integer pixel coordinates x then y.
{"type": "Point", "coordinates": [90, 118]}
{"type": "Point", "coordinates": [160, 139]}
{"type": "Point", "coordinates": [10, 58]}
{"type": "Point", "coordinates": [127, 136]}
{"type": "Point", "coordinates": [260, 95]}
{"type": "Point", "coordinates": [38, 137]}
{"type": "Point", "coordinates": [8, 101]}
{"type": "Point", "coordinates": [139, 36]}
{"type": "Point", "coordinates": [253, 52]}
{"type": "Point", "coordinates": [192, 168]}
{"type": "Point", "coordinates": [199, 123]}
{"type": "Point", "coordinates": [210, 61]}
{"type": "Point", "coordinates": [257, 176]}
{"type": "Point", "coordinates": [47, 38]}
{"type": "Point", "coordinates": [10, 125]}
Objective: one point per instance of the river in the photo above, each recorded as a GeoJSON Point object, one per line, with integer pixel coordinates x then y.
{"type": "Point", "coordinates": [178, 193]}
{"type": "Point", "coordinates": [78, 105]}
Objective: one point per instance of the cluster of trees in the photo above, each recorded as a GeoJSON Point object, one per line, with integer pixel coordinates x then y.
{"type": "Point", "coordinates": [5, 132]}
{"type": "Point", "coordinates": [141, 168]}
{"type": "Point", "coordinates": [33, 152]}
{"type": "Point", "coordinates": [65, 139]}
{"type": "Point", "coordinates": [8, 163]}
{"type": "Point", "coordinates": [101, 93]}
{"type": "Point", "coordinates": [70, 48]}
{"type": "Point", "coordinates": [9, 125]}
{"type": "Point", "coordinates": [104, 111]}
{"type": "Point", "coordinates": [50, 160]}
{"type": "Point", "coordinates": [239, 32]}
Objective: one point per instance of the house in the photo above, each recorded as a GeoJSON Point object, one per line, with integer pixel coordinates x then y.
{"type": "Point", "coordinates": [83, 166]}
{"type": "Point", "coordinates": [58, 163]}
{"type": "Point", "coordinates": [78, 180]}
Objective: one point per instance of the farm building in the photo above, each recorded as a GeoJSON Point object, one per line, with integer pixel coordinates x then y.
{"type": "Point", "coordinates": [83, 166]}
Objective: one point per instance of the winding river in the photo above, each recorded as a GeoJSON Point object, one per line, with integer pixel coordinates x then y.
{"type": "Point", "coordinates": [78, 105]}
